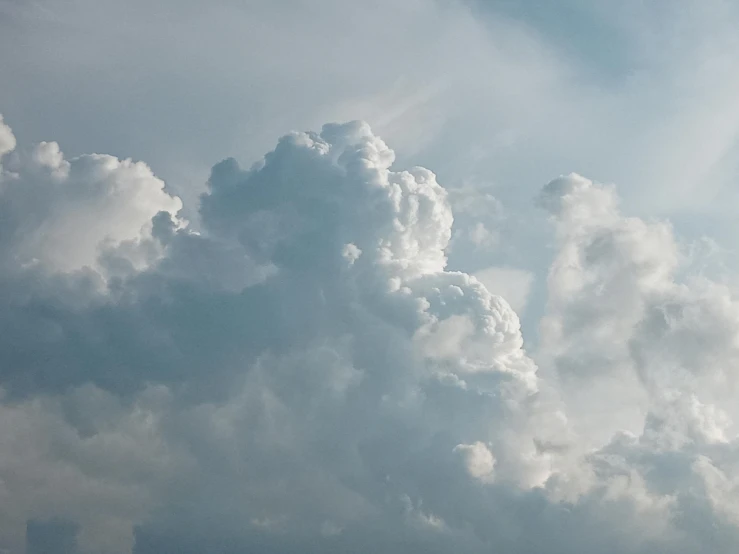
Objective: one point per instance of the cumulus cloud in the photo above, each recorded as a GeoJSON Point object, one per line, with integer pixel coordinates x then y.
{"type": "Point", "coordinates": [62, 213]}
{"type": "Point", "coordinates": [304, 373]}
{"type": "Point", "coordinates": [7, 139]}
{"type": "Point", "coordinates": [618, 311]}
{"type": "Point", "coordinates": [479, 460]}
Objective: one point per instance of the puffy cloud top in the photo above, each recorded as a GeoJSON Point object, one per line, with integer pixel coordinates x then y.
{"type": "Point", "coordinates": [63, 213]}
{"type": "Point", "coordinates": [315, 194]}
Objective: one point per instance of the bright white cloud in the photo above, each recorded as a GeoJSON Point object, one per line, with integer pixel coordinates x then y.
{"type": "Point", "coordinates": [64, 213]}
{"type": "Point", "coordinates": [479, 460]}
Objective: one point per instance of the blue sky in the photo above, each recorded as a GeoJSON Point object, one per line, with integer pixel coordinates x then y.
{"type": "Point", "coordinates": [400, 276]}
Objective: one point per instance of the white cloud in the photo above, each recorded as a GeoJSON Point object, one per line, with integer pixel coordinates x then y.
{"type": "Point", "coordinates": [302, 372]}
{"type": "Point", "coordinates": [64, 213]}
{"type": "Point", "coordinates": [618, 314]}
{"type": "Point", "coordinates": [479, 461]}
{"type": "Point", "coordinates": [7, 139]}
{"type": "Point", "coordinates": [305, 374]}
{"type": "Point", "coordinates": [306, 366]}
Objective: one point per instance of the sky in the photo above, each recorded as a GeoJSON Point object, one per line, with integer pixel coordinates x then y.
{"type": "Point", "coordinates": [403, 276]}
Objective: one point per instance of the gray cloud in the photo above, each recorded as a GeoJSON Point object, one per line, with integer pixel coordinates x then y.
{"type": "Point", "coordinates": [51, 537]}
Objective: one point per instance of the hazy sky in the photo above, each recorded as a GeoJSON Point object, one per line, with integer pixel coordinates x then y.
{"type": "Point", "coordinates": [403, 276]}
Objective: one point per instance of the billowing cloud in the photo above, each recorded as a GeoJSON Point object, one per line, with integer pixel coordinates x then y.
{"type": "Point", "coordinates": [479, 460]}
{"type": "Point", "coordinates": [62, 213]}
{"type": "Point", "coordinates": [302, 372]}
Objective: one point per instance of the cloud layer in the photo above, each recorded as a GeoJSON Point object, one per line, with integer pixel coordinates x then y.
{"type": "Point", "coordinates": [302, 372]}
